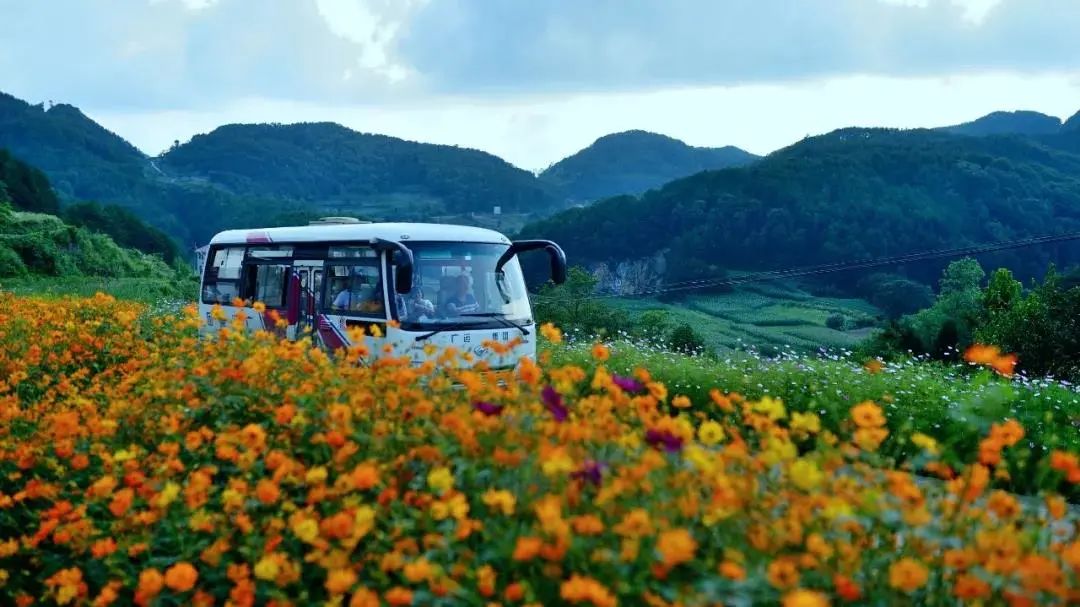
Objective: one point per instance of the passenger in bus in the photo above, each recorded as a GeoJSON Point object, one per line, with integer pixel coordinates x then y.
{"type": "Point", "coordinates": [416, 306]}
{"type": "Point", "coordinates": [359, 296]}
{"type": "Point", "coordinates": [461, 301]}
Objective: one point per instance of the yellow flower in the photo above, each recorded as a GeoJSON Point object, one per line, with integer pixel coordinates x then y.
{"type": "Point", "coordinates": [267, 568]}
{"type": "Point", "coordinates": [500, 500]}
{"type": "Point", "coordinates": [440, 480]}
{"type": "Point", "coordinates": [558, 463]}
{"type": "Point", "coordinates": [306, 529]}
{"type": "Point", "coordinates": [806, 475]}
{"type": "Point", "coordinates": [867, 415]}
{"type": "Point", "coordinates": [710, 433]}
{"type": "Point", "coordinates": [168, 494]}
{"type": "Point", "coordinates": [770, 407]}
{"type": "Point", "coordinates": [809, 423]}
{"type": "Point", "coordinates": [316, 476]}
{"type": "Point", "coordinates": [925, 443]}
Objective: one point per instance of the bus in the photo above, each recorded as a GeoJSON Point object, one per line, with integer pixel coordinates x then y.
{"type": "Point", "coordinates": [409, 285]}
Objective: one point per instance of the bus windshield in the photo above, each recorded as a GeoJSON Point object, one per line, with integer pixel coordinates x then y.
{"type": "Point", "coordinates": [456, 283]}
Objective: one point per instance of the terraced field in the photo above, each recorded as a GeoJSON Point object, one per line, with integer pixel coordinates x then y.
{"type": "Point", "coordinates": [768, 316]}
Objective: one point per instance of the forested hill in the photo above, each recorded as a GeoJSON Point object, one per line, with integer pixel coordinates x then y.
{"type": "Point", "coordinates": [633, 162]}
{"type": "Point", "coordinates": [83, 159]}
{"type": "Point", "coordinates": [851, 194]}
{"type": "Point", "coordinates": [1009, 123]}
{"type": "Point", "coordinates": [328, 163]}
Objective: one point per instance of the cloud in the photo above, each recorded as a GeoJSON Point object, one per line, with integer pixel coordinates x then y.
{"type": "Point", "coordinates": [184, 54]}
{"type": "Point", "coordinates": [469, 45]}
{"type": "Point", "coordinates": [181, 53]}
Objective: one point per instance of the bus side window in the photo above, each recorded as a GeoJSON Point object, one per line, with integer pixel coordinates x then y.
{"type": "Point", "coordinates": [221, 283]}
{"type": "Point", "coordinates": [266, 283]}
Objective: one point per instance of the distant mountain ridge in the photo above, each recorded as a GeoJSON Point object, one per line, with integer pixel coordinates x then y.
{"type": "Point", "coordinates": [261, 174]}
{"type": "Point", "coordinates": [632, 162]}
{"type": "Point", "coordinates": [852, 194]}
{"type": "Point", "coordinates": [1019, 122]}
{"type": "Point", "coordinates": [325, 163]}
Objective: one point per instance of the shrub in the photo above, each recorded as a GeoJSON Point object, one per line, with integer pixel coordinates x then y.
{"type": "Point", "coordinates": [836, 322]}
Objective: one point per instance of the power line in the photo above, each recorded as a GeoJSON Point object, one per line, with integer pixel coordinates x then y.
{"type": "Point", "coordinates": [798, 272]}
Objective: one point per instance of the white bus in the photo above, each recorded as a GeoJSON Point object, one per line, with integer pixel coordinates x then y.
{"type": "Point", "coordinates": [442, 285]}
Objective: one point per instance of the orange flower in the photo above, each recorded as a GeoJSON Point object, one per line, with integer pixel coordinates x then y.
{"type": "Point", "coordinates": [267, 491]}
{"type": "Point", "coordinates": [600, 352]}
{"type": "Point", "coordinates": [805, 598]}
{"type": "Point", "coordinates": [527, 548]}
{"type": "Point", "coordinates": [969, 587]}
{"type": "Point", "coordinates": [908, 575]}
{"type": "Point", "coordinates": [150, 583]}
{"type": "Point", "coordinates": [867, 415]}
{"type": "Point", "coordinates": [398, 596]}
{"type": "Point", "coordinates": [181, 577]}
{"type": "Point", "coordinates": [121, 502]}
{"type": "Point", "coordinates": [991, 356]}
{"type": "Point", "coordinates": [874, 366]}
{"type": "Point", "coordinates": [783, 573]}
{"type": "Point", "coordinates": [365, 476]}
{"type": "Point", "coordinates": [675, 547]}
{"type": "Point", "coordinates": [340, 581]}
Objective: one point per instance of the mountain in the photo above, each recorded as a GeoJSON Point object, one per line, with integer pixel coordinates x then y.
{"type": "Point", "coordinates": [328, 164]}
{"type": "Point", "coordinates": [848, 195]}
{"type": "Point", "coordinates": [632, 162]}
{"type": "Point", "coordinates": [1008, 123]}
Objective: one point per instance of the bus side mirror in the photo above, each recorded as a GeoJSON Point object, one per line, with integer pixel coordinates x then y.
{"type": "Point", "coordinates": [558, 257]}
{"type": "Point", "coordinates": [403, 272]}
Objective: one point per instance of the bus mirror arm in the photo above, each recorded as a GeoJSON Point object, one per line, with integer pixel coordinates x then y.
{"type": "Point", "coordinates": [403, 273]}
{"type": "Point", "coordinates": [558, 257]}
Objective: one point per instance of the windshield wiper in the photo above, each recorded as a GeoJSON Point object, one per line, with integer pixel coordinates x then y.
{"type": "Point", "coordinates": [501, 317]}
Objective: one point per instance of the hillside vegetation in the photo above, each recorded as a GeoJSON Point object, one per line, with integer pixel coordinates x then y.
{"type": "Point", "coordinates": [849, 195]}
{"type": "Point", "coordinates": [633, 162]}
{"type": "Point", "coordinates": [328, 163]}
{"type": "Point", "coordinates": [106, 246]}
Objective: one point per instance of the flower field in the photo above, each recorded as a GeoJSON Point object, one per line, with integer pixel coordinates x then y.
{"type": "Point", "coordinates": [139, 465]}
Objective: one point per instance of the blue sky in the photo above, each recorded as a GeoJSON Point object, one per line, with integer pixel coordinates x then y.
{"type": "Point", "coordinates": [535, 80]}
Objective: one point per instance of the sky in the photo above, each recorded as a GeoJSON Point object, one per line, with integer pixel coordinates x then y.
{"type": "Point", "coordinates": [535, 80]}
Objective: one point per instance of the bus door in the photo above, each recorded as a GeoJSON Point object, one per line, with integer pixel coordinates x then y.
{"type": "Point", "coordinates": [309, 275]}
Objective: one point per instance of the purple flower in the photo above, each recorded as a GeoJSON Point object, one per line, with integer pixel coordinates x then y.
{"type": "Point", "coordinates": [662, 439]}
{"type": "Point", "coordinates": [488, 409]}
{"type": "Point", "coordinates": [628, 384]}
{"type": "Point", "coordinates": [553, 402]}
{"type": "Point", "coordinates": [590, 472]}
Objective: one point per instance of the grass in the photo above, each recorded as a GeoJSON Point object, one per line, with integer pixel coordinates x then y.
{"type": "Point", "coordinates": [764, 315]}
{"type": "Point", "coordinates": [146, 290]}
{"type": "Point", "coordinates": [956, 404]}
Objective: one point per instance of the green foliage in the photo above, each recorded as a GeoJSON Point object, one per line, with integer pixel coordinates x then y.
{"type": "Point", "coordinates": [25, 187]}
{"type": "Point", "coordinates": [123, 226]}
{"type": "Point", "coordinates": [44, 245]}
{"type": "Point", "coordinates": [11, 264]}
{"type": "Point", "coordinates": [836, 322]}
{"type": "Point", "coordinates": [1042, 327]}
{"type": "Point", "coordinates": [570, 307]}
{"type": "Point", "coordinates": [852, 194]}
{"type": "Point", "coordinates": [895, 294]}
{"type": "Point", "coordinates": [321, 162]}
{"type": "Point", "coordinates": [685, 340]}
{"type": "Point", "coordinates": [633, 162]}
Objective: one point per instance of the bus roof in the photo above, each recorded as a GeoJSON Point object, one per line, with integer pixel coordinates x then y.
{"type": "Point", "coordinates": [403, 232]}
